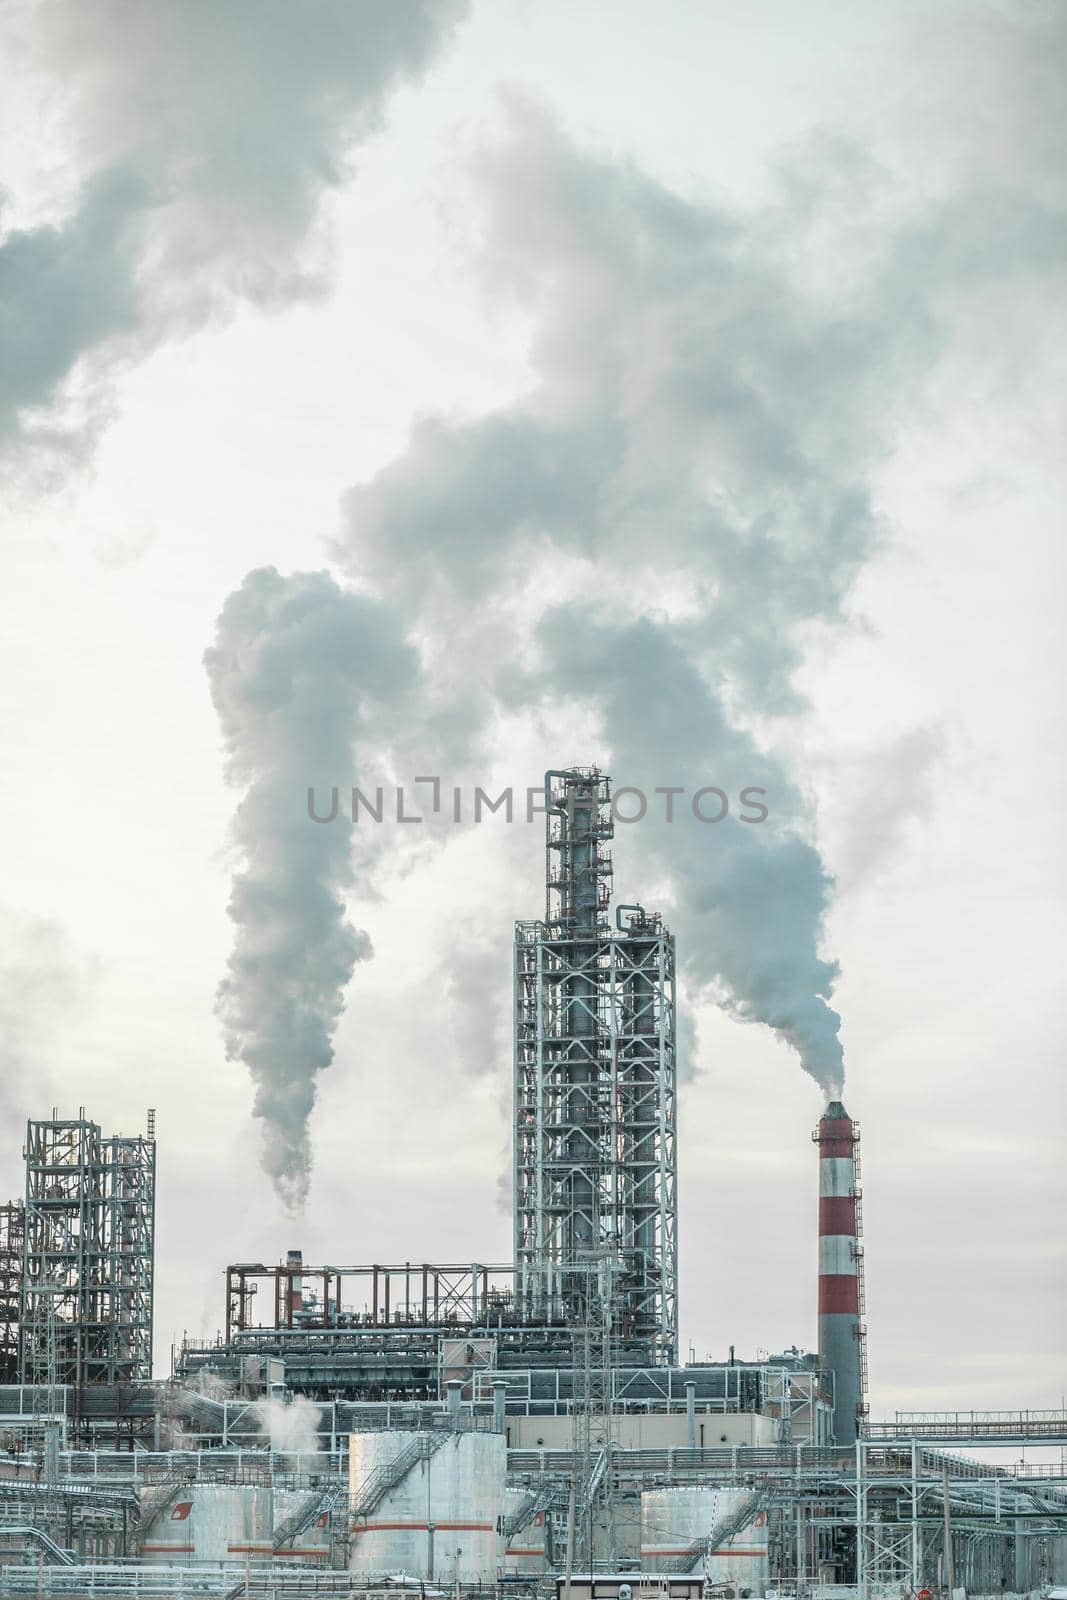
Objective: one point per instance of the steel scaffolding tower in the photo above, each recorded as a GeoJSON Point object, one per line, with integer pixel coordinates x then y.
{"type": "Point", "coordinates": [11, 1231]}
{"type": "Point", "coordinates": [595, 1114]}
{"type": "Point", "coordinates": [129, 1235]}
{"type": "Point", "coordinates": [85, 1308]}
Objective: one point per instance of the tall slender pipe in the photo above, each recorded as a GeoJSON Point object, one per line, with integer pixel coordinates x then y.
{"type": "Point", "coordinates": [579, 883]}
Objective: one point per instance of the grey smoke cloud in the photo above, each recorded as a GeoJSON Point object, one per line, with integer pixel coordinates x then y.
{"type": "Point", "coordinates": [302, 674]}
{"type": "Point", "coordinates": [701, 440]}
{"type": "Point", "coordinates": [691, 417]}
{"type": "Point", "coordinates": [205, 137]}
{"type": "Point", "coordinates": [64, 289]}
{"type": "Point", "coordinates": [749, 900]}
{"type": "Point", "coordinates": [682, 499]}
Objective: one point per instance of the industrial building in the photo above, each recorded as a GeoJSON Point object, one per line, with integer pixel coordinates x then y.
{"type": "Point", "coordinates": [490, 1426]}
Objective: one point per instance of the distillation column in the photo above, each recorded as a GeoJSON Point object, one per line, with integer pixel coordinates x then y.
{"type": "Point", "coordinates": [595, 1165]}
{"type": "Point", "coordinates": [577, 881]}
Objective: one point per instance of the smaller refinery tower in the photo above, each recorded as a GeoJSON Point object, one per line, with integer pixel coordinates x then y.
{"type": "Point", "coordinates": [88, 1252]}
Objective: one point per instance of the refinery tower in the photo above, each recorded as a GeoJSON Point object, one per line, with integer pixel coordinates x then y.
{"type": "Point", "coordinates": [595, 1170]}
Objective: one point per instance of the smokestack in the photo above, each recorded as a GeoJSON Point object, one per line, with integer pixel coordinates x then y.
{"type": "Point", "coordinates": [841, 1348]}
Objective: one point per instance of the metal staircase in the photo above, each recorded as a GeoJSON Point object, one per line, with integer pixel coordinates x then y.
{"type": "Point", "coordinates": [539, 1499]}
{"type": "Point", "coordinates": [157, 1501]}
{"type": "Point", "coordinates": [721, 1532]}
{"type": "Point", "coordinates": [323, 1500]}
{"type": "Point", "coordinates": [374, 1488]}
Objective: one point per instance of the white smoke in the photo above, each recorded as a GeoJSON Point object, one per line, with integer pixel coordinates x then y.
{"type": "Point", "coordinates": [301, 673]}
{"type": "Point", "coordinates": [676, 508]}
{"type": "Point", "coordinates": [174, 205]}
{"type": "Point", "coordinates": [293, 1428]}
{"type": "Point", "coordinates": [690, 481]}
{"type": "Point", "coordinates": [691, 433]}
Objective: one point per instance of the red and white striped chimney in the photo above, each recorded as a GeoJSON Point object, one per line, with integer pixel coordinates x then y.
{"type": "Point", "coordinates": [840, 1268]}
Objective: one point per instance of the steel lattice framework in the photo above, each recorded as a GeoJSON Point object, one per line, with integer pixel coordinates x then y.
{"type": "Point", "coordinates": [11, 1232]}
{"type": "Point", "coordinates": [86, 1303]}
{"type": "Point", "coordinates": [595, 1105]}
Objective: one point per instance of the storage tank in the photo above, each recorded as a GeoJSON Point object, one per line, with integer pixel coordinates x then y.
{"type": "Point", "coordinates": [213, 1522]}
{"type": "Point", "coordinates": [673, 1521]}
{"type": "Point", "coordinates": [447, 1497]}
{"type": "Point", "coordinates": [524, 1550]}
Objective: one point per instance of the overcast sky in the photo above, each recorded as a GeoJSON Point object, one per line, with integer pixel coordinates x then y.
{"type": "Point", "coordinates": [677, 388]}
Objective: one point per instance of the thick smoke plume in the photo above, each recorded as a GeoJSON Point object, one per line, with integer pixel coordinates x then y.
{"type": "Point", "coordinates": [749, 898]}
{"type": "Point", "coordinates": [678, 505]}
{"type": "Point", "coordinates": [196, 144]}
{"type": "Point", "coordinates": [694, 446]}
{"type": "Point", "coordinates": [714, 394]}
{"type": "Point", "coordinates": [301, 675]}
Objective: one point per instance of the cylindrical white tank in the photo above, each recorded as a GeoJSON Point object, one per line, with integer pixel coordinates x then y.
{"type": "Point", "coordinates": [674, 1520]}
{"type": "Point", "coordinates": [448, 1501]}
{"type": "Point", "coordinates": [213, 1522]}
{"type": "Point", "coordinates": [524, 1551]}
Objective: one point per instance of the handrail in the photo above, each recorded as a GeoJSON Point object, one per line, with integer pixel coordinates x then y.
{"type": "Point", "coordinates": [386, 1476]}
{"type": "Point", "coordinates": [55, 1552]}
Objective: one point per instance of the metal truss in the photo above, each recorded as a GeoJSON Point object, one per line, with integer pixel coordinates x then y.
{"type": "Point", "coordinates": [12, 1228]}
{"type": "Point", "coordinates": [407, 1294]}
{"type": "Point", "coordinates": [85, 1307]}
{"type": "Point", "coordinates": [1047, 1426]}
{"type": "Point", "coordinates": [922, 1517]}
{"type": "Point", "coordinates": [595, 1105]}
{"type": "Point", "coordinates": [129, 1254]}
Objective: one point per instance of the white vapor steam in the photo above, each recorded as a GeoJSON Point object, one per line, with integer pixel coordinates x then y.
{"type": "Point", "coordinates": [301, 674]}
{"type": "Point", "coordinates": [749, 899]}
{"type": "Point", "coordinates": [655, 532]}
{"type": "Point", "coordinates": [195, 145]}
{"type": "Point", "coordinates": [293, 1426]}
{"type": "Point", "coordinates": [697, 455]}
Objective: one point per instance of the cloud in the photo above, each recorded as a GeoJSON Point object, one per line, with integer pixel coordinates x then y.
{"type": "Point", "coordinates": [205, 138]}
{"type": "Point", "coordinates": [304, 677]}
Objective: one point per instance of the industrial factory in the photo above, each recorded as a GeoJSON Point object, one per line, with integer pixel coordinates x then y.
{"type": "Point", "coordinates": [476, 1428]}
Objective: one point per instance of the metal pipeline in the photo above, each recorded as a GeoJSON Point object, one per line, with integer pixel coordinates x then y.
{"type": "Point", "coordinates": [557, 772]}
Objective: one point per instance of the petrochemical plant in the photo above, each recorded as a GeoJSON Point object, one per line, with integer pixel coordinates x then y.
{"type": "Point", "coordinates": [477, 1428]}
